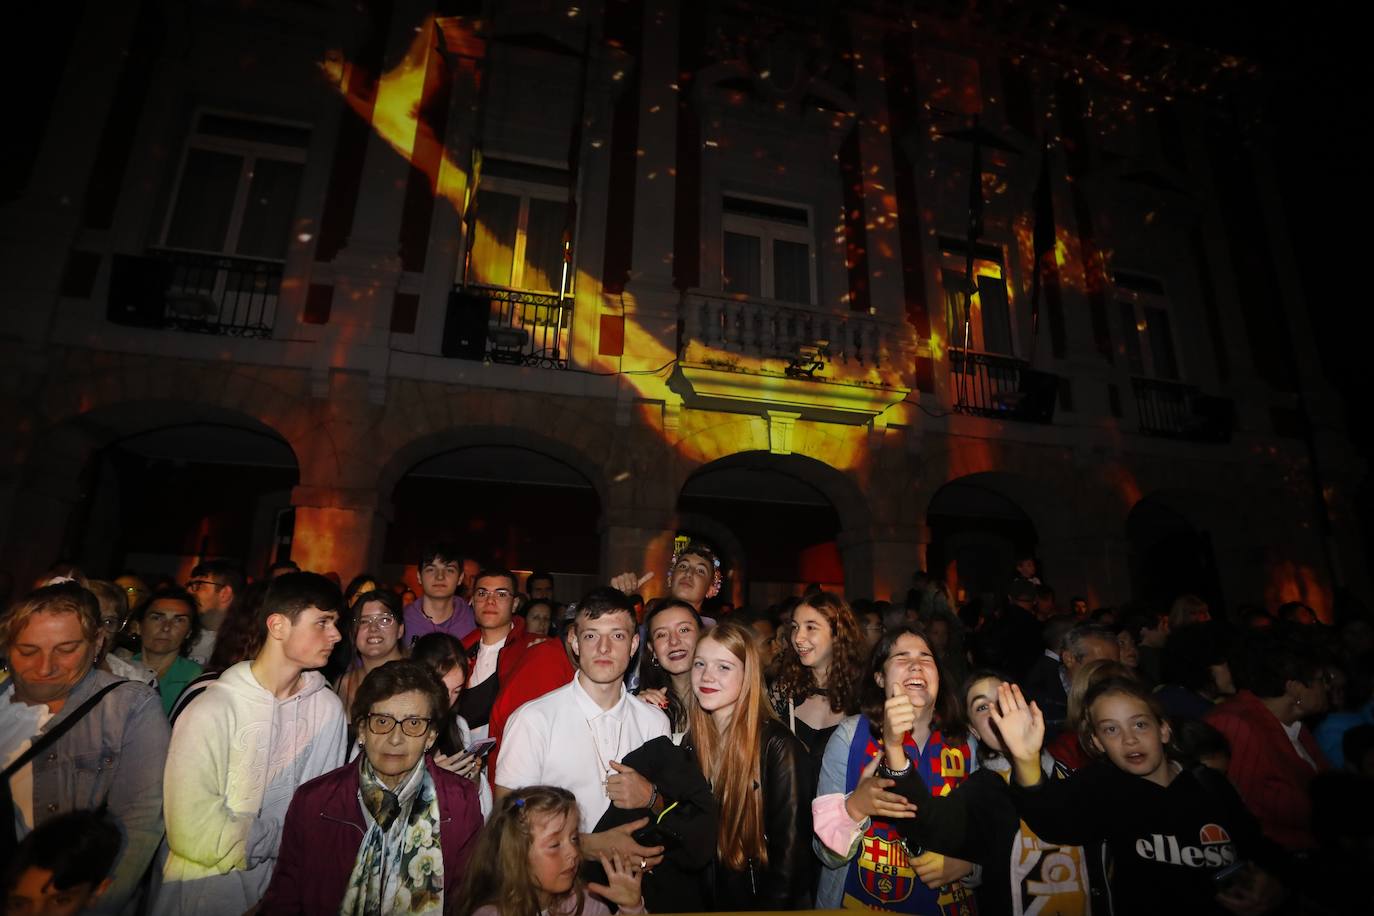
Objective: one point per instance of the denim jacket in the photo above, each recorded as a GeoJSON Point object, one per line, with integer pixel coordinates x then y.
{"type": "Point", "coordinates": [114, 755]}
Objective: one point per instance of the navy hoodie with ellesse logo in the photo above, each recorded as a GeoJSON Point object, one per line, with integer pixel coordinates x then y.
{"type": "Point", "coordinates": [1163, 845]}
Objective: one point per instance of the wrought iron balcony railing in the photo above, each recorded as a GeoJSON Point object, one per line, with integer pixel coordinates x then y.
{"type": "Point", "coordinates": [1174, 410]}
{"type": "Point", "coordinates": [1001, 387]}
{"type": "Point", "coordinates": [202, 293]}
{"type": "Point", "coordinates": [509, 326]}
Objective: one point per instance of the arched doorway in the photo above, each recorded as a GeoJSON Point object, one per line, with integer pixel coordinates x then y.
{"type": "Point", "coordinates": [161, 500]}
{"type": "Point", "coordinates": [786, 526]}
{"type": "Point", "coordinates": [1170, 555]}
{"type": "Point", "coordinates": [976, 533]}
{"type": "Point", "coordinates": [503, 505]}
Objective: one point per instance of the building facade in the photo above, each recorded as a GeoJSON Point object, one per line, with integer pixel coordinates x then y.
{"type": "Point", "coordinates": [980, 283]}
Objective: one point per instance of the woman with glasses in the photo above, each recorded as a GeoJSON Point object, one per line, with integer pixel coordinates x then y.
{"type": "Point", "coordinates": [390, 832]}
{"type": "Point", "coordinates": [377, 632]}
{"type": "Point", "coordinates": [168, 627]}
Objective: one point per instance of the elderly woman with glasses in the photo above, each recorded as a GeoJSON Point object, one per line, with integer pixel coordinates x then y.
{"type": "Point", "coordinates": [390, 832]}
{"type": "Point", "coordinates": [377, 632]}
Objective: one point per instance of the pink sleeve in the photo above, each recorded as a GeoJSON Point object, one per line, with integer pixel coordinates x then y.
{"type": "Point", "coordinates": [833, 825]}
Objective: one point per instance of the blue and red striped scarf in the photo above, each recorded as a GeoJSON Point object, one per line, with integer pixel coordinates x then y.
{"type": "Point", "coordinates": [881, 876]}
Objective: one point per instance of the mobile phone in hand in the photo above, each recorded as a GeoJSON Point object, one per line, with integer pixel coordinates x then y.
{"type": "Point", "coordinates": [480, 747]}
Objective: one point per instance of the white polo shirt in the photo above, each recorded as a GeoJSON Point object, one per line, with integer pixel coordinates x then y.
{"type": "Point", "coordinates": [565, 739]}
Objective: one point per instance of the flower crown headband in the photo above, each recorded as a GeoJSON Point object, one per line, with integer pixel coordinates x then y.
{"type": "Point", "coordinates": [695, 550]}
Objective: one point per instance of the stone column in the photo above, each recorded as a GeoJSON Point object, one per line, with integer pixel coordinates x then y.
{"type": "Point", "coordinates": [338, 529]}
{"type": "Point", "coordinates": [879, 561]}
{"type": "Point", "coordinates": [1095, 565]}
{"type": "Point", "coordinates": [39, 505]}
{"type": "Point", "coordinates": [639, 541]}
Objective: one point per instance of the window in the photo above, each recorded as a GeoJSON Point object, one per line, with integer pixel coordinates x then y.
{"type": "Point", "coordinates": [1146, 326]}
{"type": "Point", "coordinates": [990, 328]}
{"type": "Point", "coordinates": [521, 218]}
{"type": "Point", "coordinates": [237, 188]}
{"type": "Point", "coordinates": [766, 250]}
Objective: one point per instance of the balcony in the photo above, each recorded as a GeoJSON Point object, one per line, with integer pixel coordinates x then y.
{"type": "Point", "coordinates": [509, 326]}
{"type": "Point", "coordinates": [1174, 410]}
{"type": "Point", "coordinates": [737, 353]}
{"type": "Point", "coordinates": [200, 293]}
{"type": "Point", "coordinates": [1001, 387]}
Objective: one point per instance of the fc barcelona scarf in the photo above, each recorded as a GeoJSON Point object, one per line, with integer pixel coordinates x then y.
{"type": "Point", "coordinates": [881, 877]}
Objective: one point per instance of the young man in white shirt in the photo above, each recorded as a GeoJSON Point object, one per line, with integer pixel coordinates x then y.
{"type": "Point", "coordinates": [242, 748]}
{"type": "Point", "coordinates": [577, 736]}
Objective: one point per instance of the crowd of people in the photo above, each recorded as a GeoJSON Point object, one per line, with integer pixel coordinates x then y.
{"type": "Point", "coordinates": [289, 745]}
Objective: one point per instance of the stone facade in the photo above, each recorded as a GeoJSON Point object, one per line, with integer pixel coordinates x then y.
{"type": "Point", "coordinates": [669, 113]}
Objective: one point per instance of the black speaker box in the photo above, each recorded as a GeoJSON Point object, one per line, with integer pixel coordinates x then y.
{"type": "Point", "coordinates": [1039, 390]}
{"type": "Point", "coordinates": [465, 326]}
{"type": "Point", "coordinates": [138, 291]}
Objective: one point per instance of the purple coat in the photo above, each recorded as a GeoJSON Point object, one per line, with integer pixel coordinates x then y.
{"type": "Point", "coordinates": [325, 828]}
{"type": "Point", "coordinates": [458, 626]}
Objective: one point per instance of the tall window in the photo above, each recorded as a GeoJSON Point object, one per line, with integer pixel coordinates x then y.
{"type": "Point", "coordinates": [237, 188]}
{"type": "Point", "coordinates": [990, 326]}
{"type": "Point", "coordinates": [766, 250]}
{"type": "Point", "coordinates": [1146, 327]}
{"type": "Point", "coordinates": [521, 217]}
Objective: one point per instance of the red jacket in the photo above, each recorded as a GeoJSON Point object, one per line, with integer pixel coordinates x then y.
{"type": "Point", "coordinates": [1267, 771]}
{"type": "Point", "coordinates": [325, 827]}
{"type": "Point", "coordinates": [542, 669]}
{"type": "Point", "coordinates": [517, 643]}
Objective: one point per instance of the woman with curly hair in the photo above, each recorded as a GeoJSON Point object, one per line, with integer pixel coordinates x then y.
{"type": "Point", "coordinates": [818, 666]}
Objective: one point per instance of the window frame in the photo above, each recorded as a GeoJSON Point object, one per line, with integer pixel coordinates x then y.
{"type": "Point", "coordinates": [1141, 301]}
{"type": "Point", "coordinates": [250, 152]}
{"type": "Point", "coordinates": [952, 268]}
{"type": "Point", "coordinates": [767, 232]}
{"type": "Point", "coordinates": [524, 191]}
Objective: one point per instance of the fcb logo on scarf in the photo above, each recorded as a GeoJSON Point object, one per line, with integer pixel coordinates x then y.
{"type": "Point", "coordinates": [884, 868]}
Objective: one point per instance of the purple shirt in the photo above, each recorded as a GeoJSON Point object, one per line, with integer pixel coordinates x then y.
{"type": "Point", "coordinates": [460, 624]}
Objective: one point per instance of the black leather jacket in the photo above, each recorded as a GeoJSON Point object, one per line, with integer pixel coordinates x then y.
{"type": "Point", "coordinates": [787, 882]}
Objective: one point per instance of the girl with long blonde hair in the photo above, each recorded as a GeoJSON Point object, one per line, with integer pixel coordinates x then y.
{"type": "Point", "coordinates": [759, 772]}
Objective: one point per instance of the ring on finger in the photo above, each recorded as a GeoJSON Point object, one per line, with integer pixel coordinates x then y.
{"type": "Point", "coordinates": [643, 863]}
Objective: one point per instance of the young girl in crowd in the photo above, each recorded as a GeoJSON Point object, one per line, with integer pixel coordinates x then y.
{"type": "Point", "coordinates": [1022, 874]}
{"type": "Point", "coordinates": [665, 670]}
{"type": "Point", "coordinates": [1173, 836]}
{"type": "Point", "coordinates": [876, 855]}
{"type": "Point", "coordinates": [443, 655]}
{"type": "Point", "coordinates": [816, 685]}
{"type": "Point", "coordinates": [527, 861]}
{"type": "Point", "coordinates": [377, 632]}
{"type": "Point", "coordinates": [758, 771]}
{"type": "Point", "coordinates": [1067, 748]}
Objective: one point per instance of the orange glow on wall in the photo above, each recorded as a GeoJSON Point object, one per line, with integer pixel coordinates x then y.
{"type": "Point", "coordinates": [1290, 580]}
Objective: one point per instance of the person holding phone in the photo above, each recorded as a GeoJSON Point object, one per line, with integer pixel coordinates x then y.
{"type": "Point", "coordinates": [457, 749]}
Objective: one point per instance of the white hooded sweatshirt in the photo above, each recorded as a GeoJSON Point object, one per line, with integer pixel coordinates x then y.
{"type": "Point", "coordinates": [237, 756]}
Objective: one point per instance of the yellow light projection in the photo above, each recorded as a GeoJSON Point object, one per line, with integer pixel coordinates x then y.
{"type": "Point", "coordinates": [395, 112]}
{"type": "Point", "coordinates": [648, 363]}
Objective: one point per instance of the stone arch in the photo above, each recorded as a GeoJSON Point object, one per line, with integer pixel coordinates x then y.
{"type": "Point", "coordinates": [90, 412]}
{"type": "Point", "coordinates": [590, 464]}
{"type": "Point", "coordinates": [979, 523]}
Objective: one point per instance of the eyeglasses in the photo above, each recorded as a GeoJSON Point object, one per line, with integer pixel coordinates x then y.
{"type": "Point", "coordinates": [499, 593]}
{"type": "Point", "coordinates": [197, 584]}
{"type": "Point", "coordinates": [378, 621]}
{"type": "Point", "coordinates": [111, 624]}
{"type": "Point", "coordinates": [379, 723]}
{"type": "Point", "coordinates": [157, 619]}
